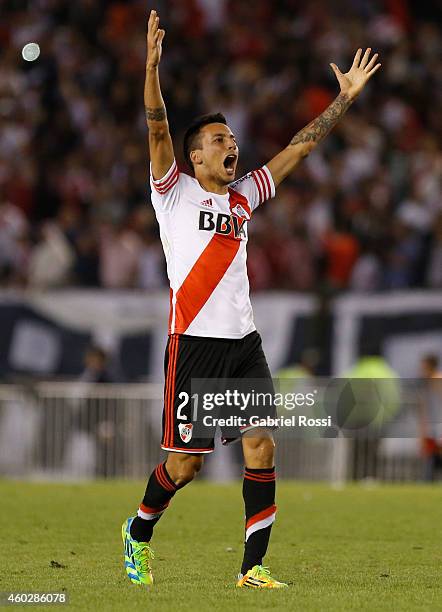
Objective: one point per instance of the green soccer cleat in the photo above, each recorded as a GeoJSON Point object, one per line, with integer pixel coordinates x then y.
{"type": "Point", "coordinates": [259, 578]}
{"type": "Point", "coordinates": [136, 556]}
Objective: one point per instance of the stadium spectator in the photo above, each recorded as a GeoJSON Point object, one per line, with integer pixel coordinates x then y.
{"type": "Point", "coordinates": [430, 417]}
{"type": "Point", "coordinates": [434, 273]}
{"type": "Point", "coordinates": [120, 250]}
{"type": "Point", "coordinates": [51, 259]}
{"type": "Point", "coordinates": [96, 368]}
{"type": "Point", "coordinates": [95, 424]}
{"type": "Point", "coordinates": [14, 250]}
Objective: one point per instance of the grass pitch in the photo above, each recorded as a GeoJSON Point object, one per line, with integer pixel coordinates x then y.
{"type": "Point", "coordinates": [355, 549]}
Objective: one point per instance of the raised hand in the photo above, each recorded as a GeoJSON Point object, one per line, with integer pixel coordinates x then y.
{"type": "Point", "coordinates": [353, 81]}
{"type": "Point", "coordinates": [154, 40]}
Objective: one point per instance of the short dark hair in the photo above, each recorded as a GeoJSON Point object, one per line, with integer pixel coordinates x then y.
{"type": "Point", "coordinates": [431, 360]}
{"type": "Point", "coordinates": [97, 351]}
{"type": "Point", "coordinates": [192, 132]}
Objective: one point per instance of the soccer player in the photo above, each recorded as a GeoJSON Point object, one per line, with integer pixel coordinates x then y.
{"type": "Point", "coordinates": [203, 227]}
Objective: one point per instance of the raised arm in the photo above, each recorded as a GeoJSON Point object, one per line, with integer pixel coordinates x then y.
{"type": "Point", "coordinates": [160, 142]}
{"type": "Point", "coordinates": [351, 84]}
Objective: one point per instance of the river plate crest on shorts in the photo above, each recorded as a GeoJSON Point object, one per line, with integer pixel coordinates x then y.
{"type": "Point", "coordinates": [185, 430]}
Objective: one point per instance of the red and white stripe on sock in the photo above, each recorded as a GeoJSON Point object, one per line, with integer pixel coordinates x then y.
{"type": "Point", "coordinates": [164, 479]}
{"type": "Point", "coordinates": [260, 476]}
{"type": "Point", "coordinates": [263, 519]}
{"type": "Point", "coordinates": [149, 513]}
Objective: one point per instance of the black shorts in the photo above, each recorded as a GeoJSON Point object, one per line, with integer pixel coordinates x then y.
{"type": "Point", "coordinates": [193, 358]}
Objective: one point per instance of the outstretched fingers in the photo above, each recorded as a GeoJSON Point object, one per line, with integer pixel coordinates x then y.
{"type": "Point", "coordinates": [152, 26]}
{"type": "Point", "coordinates": [371, 63]}
{"type": "Point", "coordinates": [160, 36]}
{"type": "Point", "coordinates": [357, 58]}
{"type": "Point", "coordinates": [150, 21]}
{"type": "Point", "coordinates": [367, 64]}
{"type": "Point", "coordinates": [336, 70]}
{"type": "Point", "coordinates": [364, 60]}
{"type": "Point", "coordinates": [373, 70]}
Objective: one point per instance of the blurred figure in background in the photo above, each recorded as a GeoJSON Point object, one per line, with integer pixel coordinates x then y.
{"type": "Point", "coordinates": [306, 368]}
{"type": "Point", "coordinates": [96, 366]}
{"type": "Point", "coordinates": [51, 259]}
{"type": "Point", "coordinates": [430, 417]}
{"type": "Point", "coordinates": [93, 444]}
{"type": "Point", "coordinates": [368, 403]}
{"type": "Point", "coordinates": [434, 273]}
{"type": "Point", "coordinates": [14, 245]}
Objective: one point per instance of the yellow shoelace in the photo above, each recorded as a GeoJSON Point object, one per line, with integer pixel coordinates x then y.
{"type": "Point", "coordinates": [262, 571]}
{"type": "Point", "coordinates": [143, 554]}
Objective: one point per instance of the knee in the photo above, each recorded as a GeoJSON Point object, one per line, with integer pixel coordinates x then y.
{"type": "Point", "coordinates": [183, 468]}
{"type": "Point", "coordinates": [259, 452]}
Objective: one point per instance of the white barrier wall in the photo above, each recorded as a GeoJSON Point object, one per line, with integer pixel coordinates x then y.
{"type": "Point", "coordinates": [404, 325]}
{"type": "Point", "coordinates": [35, 329]}
{"type": "Point", "coordinates": [106, 317]}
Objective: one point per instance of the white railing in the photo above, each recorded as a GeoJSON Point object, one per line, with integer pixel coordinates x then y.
{"type": "Point", "coordinates": [76, 430]}
{"type": "Point", "coordinates": [63, 430]}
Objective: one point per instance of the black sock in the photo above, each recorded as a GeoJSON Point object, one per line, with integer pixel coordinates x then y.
{"type": "Point", "coordinates": [259, 500]}
{"type": "Point", "coordinates": [159, 491]}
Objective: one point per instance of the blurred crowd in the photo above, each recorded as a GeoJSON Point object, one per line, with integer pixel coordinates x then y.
{"type": "Point", "coordinates": [362, 213]}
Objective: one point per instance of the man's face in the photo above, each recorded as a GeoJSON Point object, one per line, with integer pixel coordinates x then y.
{"type": "Point", "coordinates": [218, 154]}
{"type": "Point", "coordinates": [95, 361]}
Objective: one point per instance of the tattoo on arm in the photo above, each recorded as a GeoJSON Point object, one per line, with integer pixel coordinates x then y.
{"type": "Point", "coordinates": [321, 126]}
{"type": "Point", "coordinates": [155, 114]}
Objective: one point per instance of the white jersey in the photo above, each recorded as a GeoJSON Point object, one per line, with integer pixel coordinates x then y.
{"type": "Point", "coordinates": [204, 237]}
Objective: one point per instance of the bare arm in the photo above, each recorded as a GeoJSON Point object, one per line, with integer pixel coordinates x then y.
{"type": "Point", "coordinates": [160, 142]}
{"type": "Point", "coordinates": [307, 139]}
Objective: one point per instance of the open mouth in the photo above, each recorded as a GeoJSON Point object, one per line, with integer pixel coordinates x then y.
{"type": "Point", "coordinates": [229, 163]}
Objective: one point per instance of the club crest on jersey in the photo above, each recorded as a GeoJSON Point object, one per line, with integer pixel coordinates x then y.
{"type": "Point", "coordinates": [241, 212]}
{"type": "Point", "coordinates": [186, 430]}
